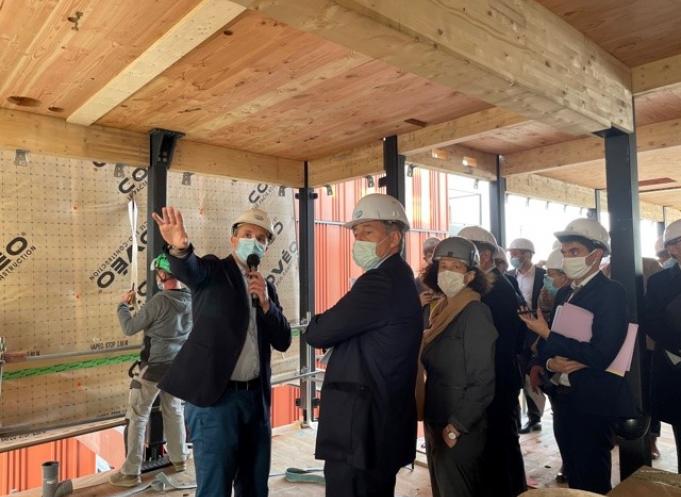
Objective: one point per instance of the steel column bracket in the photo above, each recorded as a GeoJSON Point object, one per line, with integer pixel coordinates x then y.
{"type": "Point", "coordinates": [162, 146]}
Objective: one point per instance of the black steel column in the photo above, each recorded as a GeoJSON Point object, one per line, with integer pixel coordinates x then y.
{"type": "Point", "coordinates": [497, 200]}
{"type": "Point", "coordinates": [161, 148]}
{"type": "Point", "coordinates": [393, 164]}
{"type": "Point", "coordinates": [626, 266]}
{"type": "Point", "coordinates": [306, 257]}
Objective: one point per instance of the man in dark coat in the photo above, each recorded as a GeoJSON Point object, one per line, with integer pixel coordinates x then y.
{"type": "Point", "coordinates": [502, 448]}
{"type": "Point", "coordinates": [367, 419]}
{"type": "Point", "coordinates": [588, 398]}
{"type": "Point", "coordinates": [662, 322]}
{"type": "Point", "coordinates": [530, 280]}
{"type": "Point", "coordinates": [223, 371]}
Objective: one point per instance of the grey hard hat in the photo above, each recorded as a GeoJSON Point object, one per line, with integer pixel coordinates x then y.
{"type": "Point", "coordinates": [458, 248]}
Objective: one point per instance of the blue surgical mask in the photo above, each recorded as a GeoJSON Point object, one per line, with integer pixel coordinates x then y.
{"type": "Point", "coordinates": [516, 262]}
{"type": "Point", "coordinates": [671, 262]}
{"type": "Point", "coordinates": [549, 286]}
{"type": "Point", "coordinates": [248, 246]}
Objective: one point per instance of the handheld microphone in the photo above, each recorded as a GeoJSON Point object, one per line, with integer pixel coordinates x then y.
{"type": "Point", "coordinates": [253, 261]}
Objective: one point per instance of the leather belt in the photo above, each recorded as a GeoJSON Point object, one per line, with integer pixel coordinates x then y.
{"type": "Point", "coordinates": [244, 385]}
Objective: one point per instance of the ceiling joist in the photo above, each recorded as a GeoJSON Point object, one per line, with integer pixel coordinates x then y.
{"type": "Point", "coordinates": [650, 138]}
{"type": "Point", "coordinates": [53, 136]}
{"type": "Point", "coordinates": [197, 26]}
{"type": "Point", "coordinates": [465, 128]}
{"type": "Point", "coordinates": [657, 75]}
{"type": "Point", "coordinates": [515, 55]}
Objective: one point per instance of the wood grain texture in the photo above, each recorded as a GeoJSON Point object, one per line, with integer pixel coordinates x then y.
{"type": "Point", "coordinates": [650, 138]}
{"type": "Point", "coordinates": [194, 28]}
{"type": "Point", "coordinates": [43, 57]}
{"type": "Point", "coordinates": [54, 136]}
{"type": "Point", "coordinates": [268, 88]}
{"type": "Point", "coordinates": [515, 55]}
{"type": "Point", "coordinates": [634, 31]}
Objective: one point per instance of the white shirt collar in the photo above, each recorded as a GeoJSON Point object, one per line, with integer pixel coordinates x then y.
{"type": "Point", "coordinates": [585, 281]}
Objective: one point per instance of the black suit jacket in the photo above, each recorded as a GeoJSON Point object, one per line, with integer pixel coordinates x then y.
{"type": "Point", "coordinates": [220, 308]}
{"type": "Point", "coordinates": [503, 301]}
{"type": "Point", "coordinates": [594, 390]}
{"type": "Point", "coordinates": [536, 287]}
{"type": "Point", "coordinates": [662, 322]}
{"type": "Point", "coordinates": [367, 415]}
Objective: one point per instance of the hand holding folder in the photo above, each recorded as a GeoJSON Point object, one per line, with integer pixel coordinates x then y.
{"type": "Point", "coordinates": [575, 322]}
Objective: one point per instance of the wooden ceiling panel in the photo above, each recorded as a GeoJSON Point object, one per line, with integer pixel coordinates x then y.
{"type": "Point", "coordinates": [652, 165]}
{"type": "Point", "coordinates": [525, 136]}
{"type": "Point", "coordinates": [634, 31]}
{"type": "Point", "coordinates": [272, 89]}
{"type": "Point", "coordinates": [61, 62]}
{"type": "Point", "coordinates": [658, 106]}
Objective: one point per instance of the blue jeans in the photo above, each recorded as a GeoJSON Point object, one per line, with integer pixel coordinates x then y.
{"type": "Point", "coordinates": [232, 444]}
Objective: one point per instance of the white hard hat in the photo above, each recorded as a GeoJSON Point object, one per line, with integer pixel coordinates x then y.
{"type": "Point", "coordinates": [500, 254]}
{"type": "Point", "coordinates": [555, 260]}
{"type": "Point", "coordinates": [257, 217]}
{"type": "Point", "coordinates": [659, 245]}
{"type": "Point", "coordinates": [458, 248]}
{"type": "Point", "coordinates": [378, 207]}
{"type": "Point", "coordinates": [522, 244]}
{"type": "Point", "coordinates": [589, 229]}
{"type": "Point", "coordinates": [556, 245]}
{"type": "Point", "coordinates": [478, 234]}
{"type": "Point", "coordinates": [672, 232]}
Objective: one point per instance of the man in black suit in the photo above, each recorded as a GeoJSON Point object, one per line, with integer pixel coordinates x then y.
{"type": "Point", "coordinates": [662, 322]}
{"type": "Point", "coordinates": [223, 371]}
{"type": "Point", "coordinates": [588, 398]}
{"type": "Point", "coordinates": [367, 417]}
{"type": "Point", "coordinates": [502, 448]}
{"type": "Point", "coordinates": [530, 280]}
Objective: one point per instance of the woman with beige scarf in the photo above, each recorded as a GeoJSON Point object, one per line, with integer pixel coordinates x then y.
{"type": "Point", "coordinates": [455, 383]}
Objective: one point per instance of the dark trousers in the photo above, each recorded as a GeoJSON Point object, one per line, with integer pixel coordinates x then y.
{"type": "Point", "coordinates": [533, 413]}
{"type": "Point", "coordinates": [343, 480]}
{"type": "Point", "coordinates": [586, 442]}
{"type": "Point", "coordinates": [502, 448]}
{"type": "Point", "coordinates": [232, 444]}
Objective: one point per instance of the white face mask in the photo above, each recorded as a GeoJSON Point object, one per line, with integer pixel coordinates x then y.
{"type": "Point", "coordinates": [364, 254]}
{"type": "Point", "coordinates": [671, 262]}
{"type": "Point", "coordinates": [576, 268]}
{"type": "Point", "coordinates": [450, 282]}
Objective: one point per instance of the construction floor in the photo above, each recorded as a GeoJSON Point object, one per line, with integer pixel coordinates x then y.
{"type": "Point", "coordinates": [292, 447]}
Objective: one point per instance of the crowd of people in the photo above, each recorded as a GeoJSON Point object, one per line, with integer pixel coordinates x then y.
{"type": "Point", "coordinates": [454, 347]}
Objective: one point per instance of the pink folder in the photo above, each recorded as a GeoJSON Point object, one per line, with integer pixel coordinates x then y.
{"type": "Point", "coordinates": [575, 322]}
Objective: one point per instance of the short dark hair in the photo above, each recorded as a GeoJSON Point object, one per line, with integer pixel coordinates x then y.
{"type": "Point", "coordinates": [590, 245]}
{"type": "Point", "coordinates": [481, 283]}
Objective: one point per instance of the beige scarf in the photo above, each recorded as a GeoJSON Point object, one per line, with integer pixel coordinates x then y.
{"type": "Point", "coordinates": [443, 314]}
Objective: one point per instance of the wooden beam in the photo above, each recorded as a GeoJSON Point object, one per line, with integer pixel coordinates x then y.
{"type": "Point", "coordinates": [485, 168]}
{"type": "Point", "coordinates": [52, 136]}
{"type": "Point", "coordinates": [464, 128]}
{"type": "Point", "coordinates": [657, 75]}
{"type": "Point", "coordinates": [512, 54]}
{"type": "Point", "coordinates": [360, 161]}
{"type": "Point", "coordinates": [649, 138]}
{"type": "Point", "coordinates": [219, 161]}
{"type": "Point", "coordinates": [544, 188]}
{"type": "Point", "coordinates": [550, 189]}
{"type": "Point", "coordinates": [197, 26]}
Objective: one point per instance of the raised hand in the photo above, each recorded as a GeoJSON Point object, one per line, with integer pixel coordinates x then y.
{"type": "Point", "coordinates": [171, 226]}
